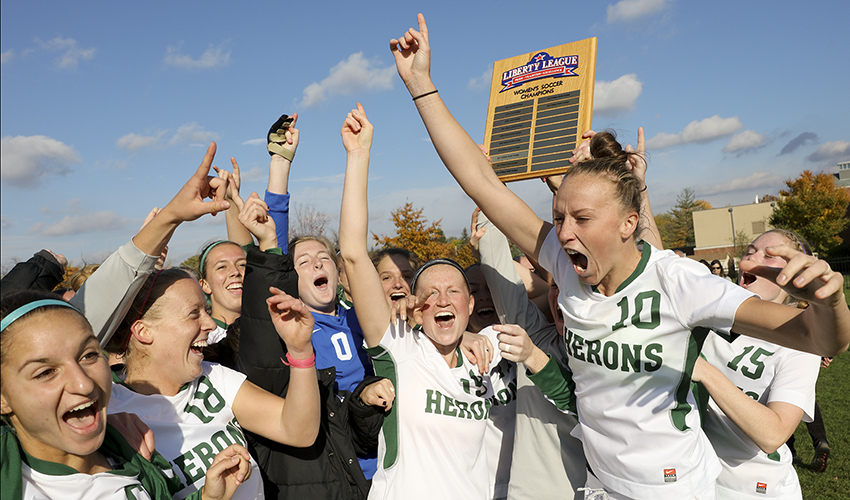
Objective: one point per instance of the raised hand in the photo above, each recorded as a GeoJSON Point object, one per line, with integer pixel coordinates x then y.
{"type": "Point", "coordinates": [189, 202]}
{"type": "Point", "coordinates": [232, 180]}
{"type": "Point", "coordinates": [293, 323]}
{"type": "Point", "coordinates": [253, 214]}
{"type": "Point", "coordinates": [357, 131]}
{"type": "Point", "coordinates": [412, 54]}
{"type": "Point", "coordinates": [637, 162]}
{"type": "Point", "coordinates": [475, 234]}
{"type": "Point", "coordinates": [288, 142]}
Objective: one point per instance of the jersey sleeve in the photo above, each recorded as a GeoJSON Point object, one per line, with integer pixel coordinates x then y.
{"type": "Point", "coordinates": [107, 295]}
{"type": "Point", "coordinates": [226, 381]}
{"type": "Point", "coordinates": [701, 299]}
{"type": "Point", "coordinates": [507, 289]}
{"type": "Point", "coordinates": [795, 380]}
{"type": "Point", "coordinates": [279, 212]}
{"type": "Point", "coordinates": [556, 383]}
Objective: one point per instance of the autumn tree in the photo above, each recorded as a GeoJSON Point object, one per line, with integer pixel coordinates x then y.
{"type": "Point", "coordinates": [677, 225]}
{"type": "Point", "coordinates": [814, 207]}
{"type": "Point", "coordinates": [415, 233]}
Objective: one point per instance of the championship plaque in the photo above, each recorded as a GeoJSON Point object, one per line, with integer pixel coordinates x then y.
{"type": "Point", "coordinates": [540, 104]}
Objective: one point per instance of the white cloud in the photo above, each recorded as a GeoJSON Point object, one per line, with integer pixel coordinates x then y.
{"type": "Point", "coordinates": [26, 160]}
{"type": "Point", "coordinates": [350, 77]}
{"type": "Point", "coordinates": [213, 57]}
{"type": "Point", "coordinates": [7, 56]}
{"type": "Point", "coordinates": [745, 142]}
{"type": "Point", "coordinates": [253, 174]}
{"type": "Point", "coordinates": [619, 95]}
{"type": "Point", "coordinates": [254, 142]}
{"type": "Point", "coordinates": [697, 131]}
{"type": "Point", "coordinates": [831, 151]}
{"type": "Point", "coordinates": [192, 134]}
{"type": "Point", "coordinates": [134, 142]}
{"type": "Point", "coordinates": [105, 220]}
{"type": "Point", "coordinates": [73, 54]}
{"type": "Point", "coordinates": [483, 81]}
{"type": "Point", "coordinates": [631, 10]}
{"type": "Point", "coordinates": [756, 180]}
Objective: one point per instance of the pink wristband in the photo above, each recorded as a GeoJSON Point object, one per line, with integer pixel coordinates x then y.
{"type": "Point", "coordinates": [299, 363]}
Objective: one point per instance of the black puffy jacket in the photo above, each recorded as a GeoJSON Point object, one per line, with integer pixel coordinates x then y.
{"type": "Point", "coordinates": [329, 468]}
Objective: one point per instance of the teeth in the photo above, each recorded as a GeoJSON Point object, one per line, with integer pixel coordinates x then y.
{"type": "Point", "coordinates": [571, 252]}
{"type": "Point", "coordinates": [486, 310]}
{"type": "Point", "coordinates": [398, 295]}
{"type": "Point", "coordinates": [234, 286]}
{"type": "Point", "coordinates": [83, 406]}
{"type": "Point", "coordinates": [444, 315]}
{"type": "Point", "coordinates": [200, 344]}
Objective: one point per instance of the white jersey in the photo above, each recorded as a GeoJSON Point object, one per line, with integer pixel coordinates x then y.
{"type": "Point", "coordinates": [631, 356]}
{"type": "Point", "coordinates": [432, 443]}
{"type": "Point", "coordinates": [103, 485]}
{"type": "Point", "coordinates": [193, 426]}
{"type": "Point", "coordinates": [766, 372]}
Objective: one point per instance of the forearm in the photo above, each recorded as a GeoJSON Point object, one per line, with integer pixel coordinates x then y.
{"type": "Point", "coordinates": [106, 296]}
{"type": "Point", "coordinates": [299, 419]}
{"type": "Point", "coordinates": [476, 177]}
{"type": "Point", "coordinates": [354, 212]}
{"type": "Point", "coordinates": [649, 230]}
{"type": "Point", "coordinates": [366, 291]}
{"type": "Point", "coordinates": [155, 235]}
{"type": "Point", "coordinates": [830, 326]}
{"type": "Point", "coordinates": [236, 232]}
{"type": "Point", "coordinates": [761, 423]}
{"type": "Point", "coordinates": [279, 174]}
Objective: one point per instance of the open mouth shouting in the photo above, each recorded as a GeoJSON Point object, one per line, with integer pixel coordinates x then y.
{"type": "Point", "coordinates": [578, 259]}
{"type": "Point", "coordinates": [747, 279]}
{"type": "Point", "coordinates": [83, 418]}
{"type": "Point", "coordinates": [444, 319]}
{"type": "Point", "coordinates": [396, 296]}
{"type": "Point", "coordinates": [321, 283]}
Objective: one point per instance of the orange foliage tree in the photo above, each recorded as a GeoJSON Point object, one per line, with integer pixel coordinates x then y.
{"type": "Point", "coordinates": [426, 240]}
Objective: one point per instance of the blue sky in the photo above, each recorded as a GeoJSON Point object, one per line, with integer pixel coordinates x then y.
{"type": "Point", "coordinates": [107, 107]}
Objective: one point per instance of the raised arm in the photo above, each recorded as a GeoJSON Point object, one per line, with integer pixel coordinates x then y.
{"type": "Point", "coordinates": [295, 420]}
{"type": "Point", "coordinates": [282, 142]}
{"type": "Point", "coordinates": [373, 312]}
{"type": "Point", "coordinates": [106, 296]}
{"type": "Point", "coordinates": [236, 232]}
{"type": "Point", "coordinates": [458, 151]}
{"type": "Point", "coordinates": [253, 217]}
{"type": "Point", "coordinates": [823, 328]}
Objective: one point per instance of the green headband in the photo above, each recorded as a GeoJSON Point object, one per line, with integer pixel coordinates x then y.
{"type": "Point", "coordinates": [17, 313]}
{"type": "Point", "coordinates": [206, 252]}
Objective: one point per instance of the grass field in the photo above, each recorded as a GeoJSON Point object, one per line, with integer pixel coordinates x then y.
{"type": "Point", "coordinates": [833, 395]}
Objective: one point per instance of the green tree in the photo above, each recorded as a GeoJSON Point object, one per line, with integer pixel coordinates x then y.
{"type": "Point", "coordinates": [814, 207]}
{"type": "Point", "coordinates": [191, 262]}
{"type": "Point", "coordinates": [677, 225]}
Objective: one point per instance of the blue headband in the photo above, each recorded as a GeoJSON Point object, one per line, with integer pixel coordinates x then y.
{"type": "Point", "coordinates": [17, 313]}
